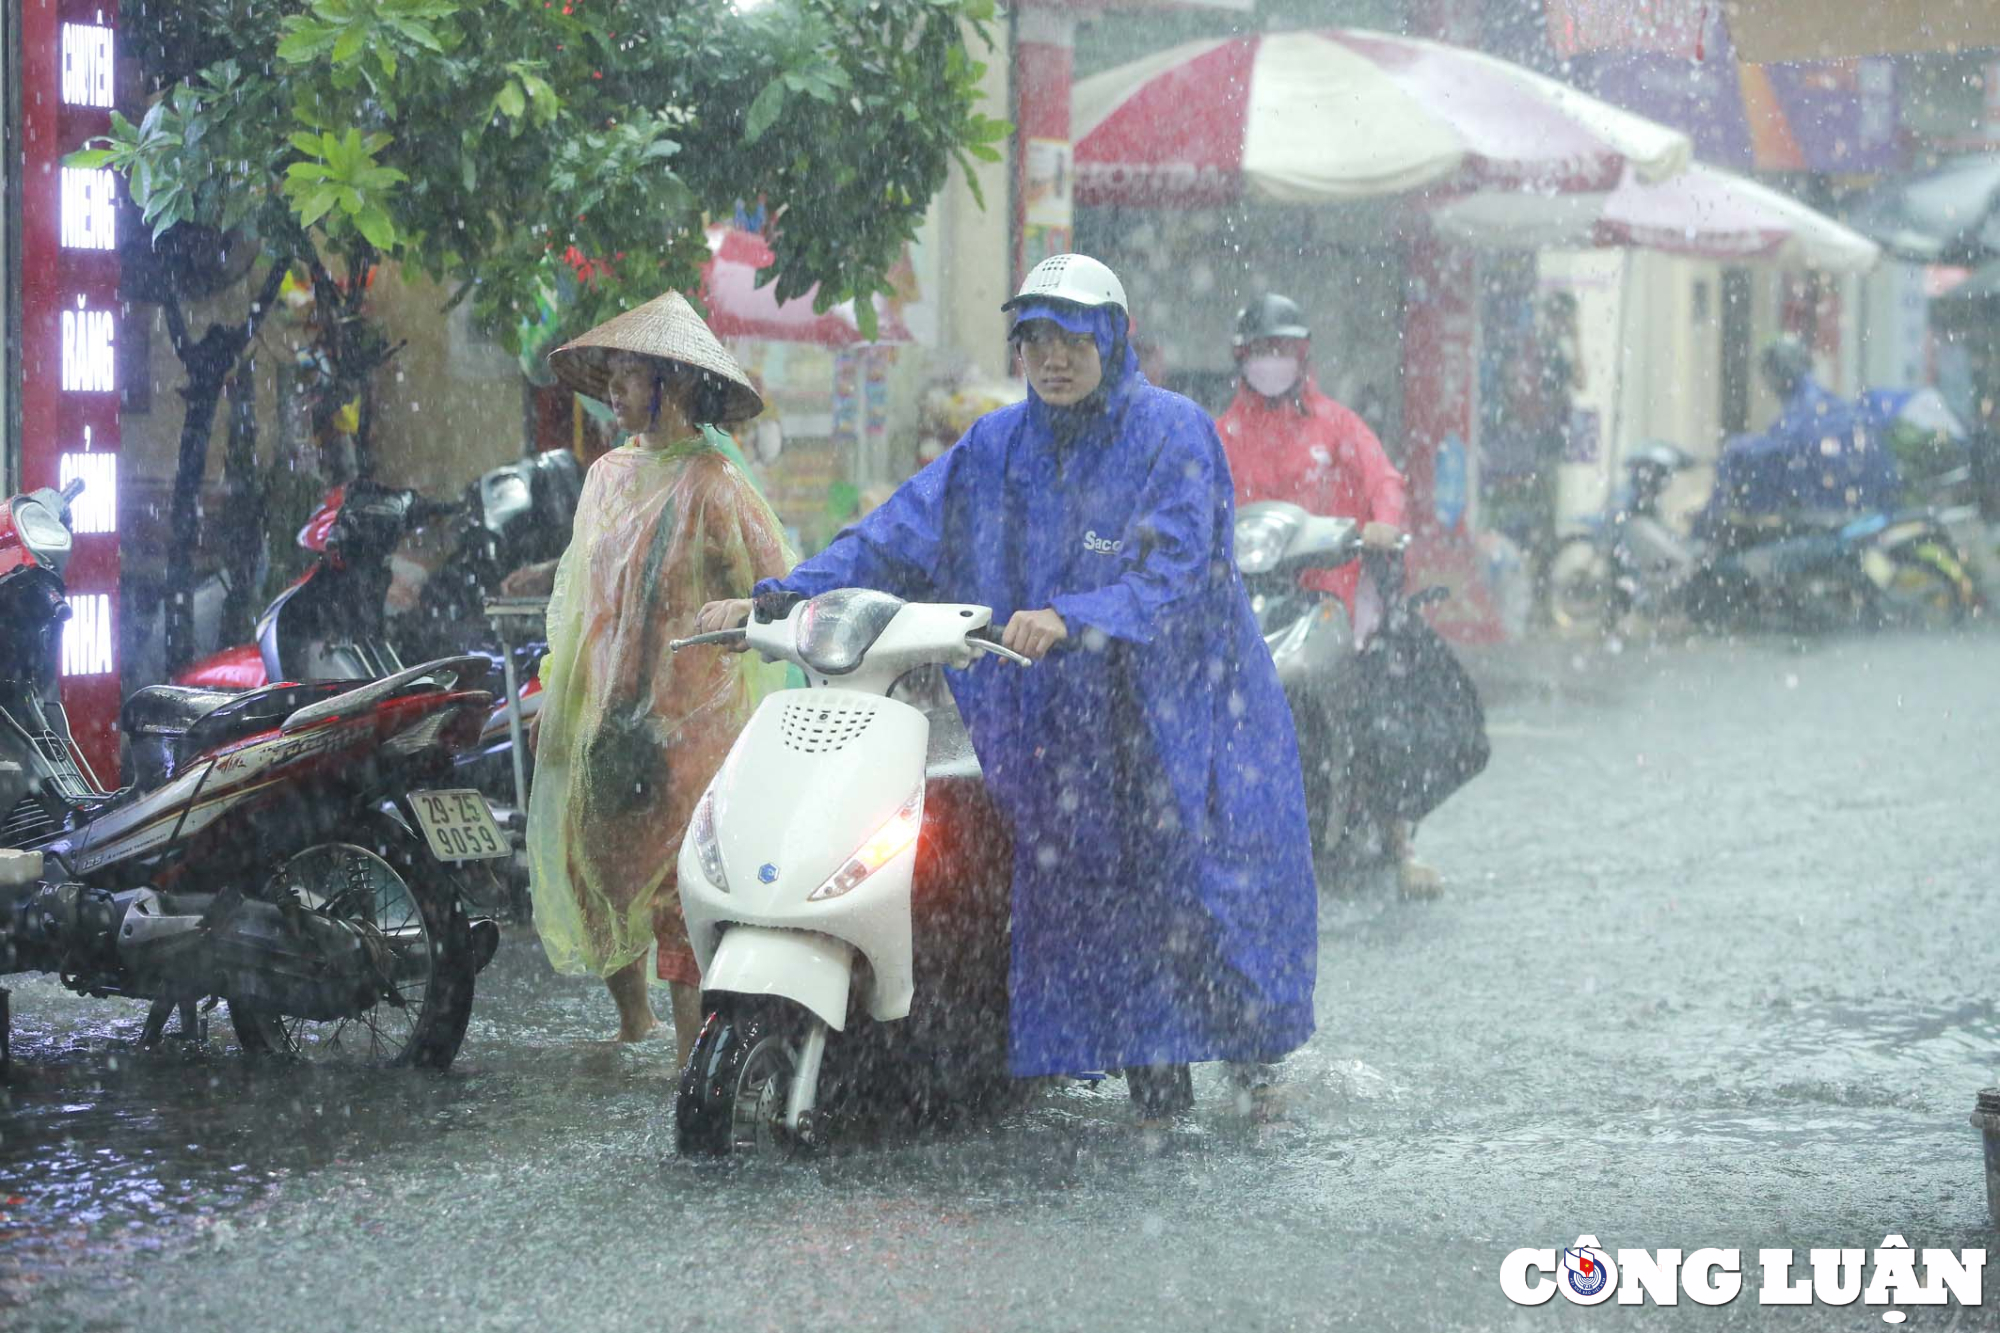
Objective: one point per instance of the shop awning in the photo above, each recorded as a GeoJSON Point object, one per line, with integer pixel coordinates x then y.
{"type": "Point", "coordinates": [1704, 213]}
{"type": "Point", "coordinates": [1343, 114]}
{"type": "Point", "coordinates": [1950, 215]}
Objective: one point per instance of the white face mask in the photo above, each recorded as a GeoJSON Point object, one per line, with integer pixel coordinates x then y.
{"type": "Point", "coordinates": [1272, 376]}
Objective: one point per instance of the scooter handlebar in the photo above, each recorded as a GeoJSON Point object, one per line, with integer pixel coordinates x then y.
{"type": "Point", "coordinates": [987, 640]}
{"type": "Point", "coordinates": [715, 636]}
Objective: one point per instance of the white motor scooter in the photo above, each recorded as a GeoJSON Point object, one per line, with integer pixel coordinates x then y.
{"type": "Point", "coordinates": [796, 874]}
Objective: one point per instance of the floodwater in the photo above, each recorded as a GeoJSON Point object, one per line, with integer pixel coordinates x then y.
{"type": "Point", "coordinates": [1714, 969]}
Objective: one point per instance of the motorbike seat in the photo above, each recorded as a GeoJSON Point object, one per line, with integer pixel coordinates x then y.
{"type": "Point", "coordinates": [167, 723]}
{"type": "Point", "coordinates": [169, 709]}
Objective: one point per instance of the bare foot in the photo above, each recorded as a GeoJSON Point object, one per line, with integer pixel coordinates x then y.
{"type": "Point", "coordinates": [1419, 881]}
{"type": "Point", "coordinates": [628, 1032]}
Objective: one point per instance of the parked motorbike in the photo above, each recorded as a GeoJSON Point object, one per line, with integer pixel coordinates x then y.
{"type": "Point", "coordinates": [846, 883]}
{"type": "Point", "coordinates": [1803, 571]}
{"type": "Point", "coordinates": [333, 622]}
{"type": "Point", "coordinates": [281, 849]}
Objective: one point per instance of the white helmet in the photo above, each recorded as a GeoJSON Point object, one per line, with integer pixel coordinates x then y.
{"type": "Point", "coordinates": [1077, 279]}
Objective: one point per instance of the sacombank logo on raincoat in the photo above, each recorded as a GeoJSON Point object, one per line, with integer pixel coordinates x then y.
{"type": "Point", "coordinates": [1101, 545]}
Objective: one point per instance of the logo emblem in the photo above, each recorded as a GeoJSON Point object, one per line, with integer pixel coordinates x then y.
{"type": "Point", "coordinates": [767, 872]}
{"type": "Point", "coordinates": [1585, 1268]}
{"type": "Point", "coordinates": [1101, 545]}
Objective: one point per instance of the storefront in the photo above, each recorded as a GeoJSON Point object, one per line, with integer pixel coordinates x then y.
{"type": "Point", "coordinates": [63, 291]}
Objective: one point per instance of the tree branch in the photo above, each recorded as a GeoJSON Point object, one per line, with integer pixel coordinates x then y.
{"type": "Point", "coordinates": [177, 329]}
{"type": "Point", "coordinates": [267, 296]}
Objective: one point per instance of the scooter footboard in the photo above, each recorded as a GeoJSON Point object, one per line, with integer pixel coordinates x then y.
{"type": "Point", "coordinates": [806, 968]}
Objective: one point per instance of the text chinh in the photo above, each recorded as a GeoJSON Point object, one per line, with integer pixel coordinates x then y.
{"type": "Point", "coordinates": [1891, 1275]}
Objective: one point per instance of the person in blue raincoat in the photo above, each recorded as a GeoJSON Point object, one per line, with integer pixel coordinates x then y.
{"type": "Point", "coordinates": [1164, 910]}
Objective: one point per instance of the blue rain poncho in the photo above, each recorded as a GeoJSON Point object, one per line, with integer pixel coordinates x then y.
{"type": "Point", "coordinates": [1164, 909]}
{"type": "Point", "coordinates": [1819, 455]}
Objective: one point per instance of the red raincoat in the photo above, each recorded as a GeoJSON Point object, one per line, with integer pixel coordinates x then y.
{"type": "Point", "coordinates": [1317, 454]}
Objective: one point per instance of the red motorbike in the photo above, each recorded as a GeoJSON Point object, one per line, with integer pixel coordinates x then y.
{"type": "Point", "coordinates": [293, 850]}
{"type": "Point", "coordinates": [366, 606]}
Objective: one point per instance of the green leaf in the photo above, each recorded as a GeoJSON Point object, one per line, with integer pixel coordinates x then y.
{"type": "Point", "coordinates": [308, 144]}
{"type": "Point", "coordinates": [304, 42]}
{"type": "Point", "coordinates": [419, 33]}
{"type": "Point", "coordinates": [385, 56]}
{"type": "Point", "coordinates": [314, 207]}
{"type": "Point", "coordinates": [510, 100]}
{"type": "Point", "coordinates": [764, 111]}
{"type": "Point", "coordinates": [349, 44]}
{"type": "Point", "coordinates": [88, 157]}
{"type": "Point", "coordinates": [374, 224]}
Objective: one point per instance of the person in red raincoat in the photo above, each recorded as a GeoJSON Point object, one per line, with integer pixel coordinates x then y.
{"type": "Point", "coordinates": [1286, 440]}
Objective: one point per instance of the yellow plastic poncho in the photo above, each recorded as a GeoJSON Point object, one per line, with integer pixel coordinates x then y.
{"type": "Point", "coordinates": [631, 733]}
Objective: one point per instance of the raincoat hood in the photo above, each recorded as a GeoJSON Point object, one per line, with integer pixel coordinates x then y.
{"type": "Point", "coordinates": [1099, 413]}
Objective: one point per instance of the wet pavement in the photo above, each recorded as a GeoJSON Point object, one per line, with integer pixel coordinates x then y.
{"type": "Point", "coordinates": [1714, 969]}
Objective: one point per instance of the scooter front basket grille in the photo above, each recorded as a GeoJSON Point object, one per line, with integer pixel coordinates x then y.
{"type": "Point", "coordinates": [812, 727]}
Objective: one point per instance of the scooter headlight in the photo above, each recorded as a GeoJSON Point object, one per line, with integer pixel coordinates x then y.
{"type": "Point", "coordinates": [881, 848]}
{"type": "Point", "coordinates": [1261, 540]}
{"type": "Point", "coordinates": [701, 829]}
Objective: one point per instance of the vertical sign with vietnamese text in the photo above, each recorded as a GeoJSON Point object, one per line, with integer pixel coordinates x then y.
{"type": "Point", "coordinates": [1440, 415]}
{"type": "Point", "coordinates": [70, 330]}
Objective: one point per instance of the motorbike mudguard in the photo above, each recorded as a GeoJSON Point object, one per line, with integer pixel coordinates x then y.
{"type": "Point", "coordinates": [809, 969]}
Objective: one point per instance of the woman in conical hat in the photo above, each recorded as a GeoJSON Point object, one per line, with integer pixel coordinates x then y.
{"type": "Point", "coordinates": [630, 734]}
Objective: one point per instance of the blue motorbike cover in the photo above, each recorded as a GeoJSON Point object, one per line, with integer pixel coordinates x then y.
{"type": "Point", "coordinates": [1163, 901]}
{"type": "Point", "coordinates": [1821, 454]}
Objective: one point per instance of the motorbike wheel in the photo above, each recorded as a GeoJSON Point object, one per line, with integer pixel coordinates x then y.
{"type": "Point", "coordinates": [397, 889]}
{"type": "Point", "coordinates": [736, 1082]}
{"type": "Point", "coordinates": [1326, 760]}
{"type": "Point", "coordinates": [1919, 595]}
{"type": "Point", "coordinates": [1583, 587]}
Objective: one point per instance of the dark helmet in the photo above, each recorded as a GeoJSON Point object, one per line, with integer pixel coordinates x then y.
{"type": "Point", "coordinates": [1786, 361]}
{"type": "Point", "coordinates": [1270, 316]}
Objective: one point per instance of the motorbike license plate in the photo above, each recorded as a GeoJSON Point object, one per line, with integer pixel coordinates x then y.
{"type": "Point", "coordinates": [459, 825]}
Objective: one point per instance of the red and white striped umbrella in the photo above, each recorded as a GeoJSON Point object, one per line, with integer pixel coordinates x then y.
{"type": "Point", "coordinates": [1312, 117]}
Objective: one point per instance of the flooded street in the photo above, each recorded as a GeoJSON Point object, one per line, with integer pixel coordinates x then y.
{"type": "Point", "coordinates": [1715, 968]}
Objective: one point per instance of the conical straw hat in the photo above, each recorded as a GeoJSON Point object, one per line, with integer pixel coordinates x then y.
{"type": "Point", "coordinates": [669, 328]}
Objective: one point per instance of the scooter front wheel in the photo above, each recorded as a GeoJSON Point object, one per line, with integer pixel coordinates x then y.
{"type": "Point", "coordinates": [737, 1083]}
{"type": "Point", "coordinates": [1583, 587]}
